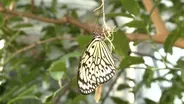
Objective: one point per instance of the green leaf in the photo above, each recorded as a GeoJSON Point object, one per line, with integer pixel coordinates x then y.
{"type": "Point", "coordinates": [123, 86]}
{"type": "Point", "coordinates": [118, 14]}
{"type": "Point", "coordinates": [84, 40]}
{"type": "Point", "coordinates": [74, 82]}
{"type": "Point", "coordinates": [171, 39]}
{"type": "Point", "coordinates": [148, 77]}
{"type": "Point", "coordinates": [131, 60]}
{"type": "Point", "coordinates": [57, 92]}
{"type": "Point", "coordinates": [180, 64]}
{"type": "Point", "coordinates": [77, 99]}
{"type": "Point", "coordinates": [168, 96]}
{"type": "Point", "coordinates": [136, 24]}
{"type": "Point", "coordinates": [72, 54]}
{"type": "Point", "coordinates": [47, 98]}
{"type": "Point", "coordinates": [29, 90]}
{"type": "Point", "coordinates": [2, 21]}
{"type": "Point", "coordinates": [119, 101]}
{"type": "Point", "coordinates": [149, 101]}
{"type": "Point", "coordinates": [54, 5]}
{"type": "Point", "coordinates": [6, 2]}
{"type": "Point", "coordinates": [57, 69]}
{"type": "Point", "coordinates": [121, 44]}
{"type": "Point", "coordinates": [131, 6]}
{"type": "Point", "coordinates": [9, 93]}
{"type": "Point", "coordinates": [22, 98]}
{"type": "Point", "coordinates": [160, 79]}
{"type": "Point", "coordinates": [24, 25]}
{"type": "Point", "coordinates": [49, 31]}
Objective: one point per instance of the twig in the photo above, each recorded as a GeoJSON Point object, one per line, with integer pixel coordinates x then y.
{"type": "Point", "coordinates": [156, 38]}
{"type": "Point", "coordinates": [118, 75]}
{"type": "Point", "coordinates": [155, 16]}
{"type": "Point", "coordinates": [42, 42]}
{"type": "Point", "coordinates": [32, 5]}
{"type": "Point", "coordinates": [112, 85]}
{"type": "Point", "coordinates": [132, 37]}
{"type": "Point", "coordinates": [144, 54]}
{"type": "Point", "coordinates": [32, 16]}
{"type": "Point", "coordinates": [156, 68]}
{"type": "Point", "coordinates": [56, 98]}
{"type": "Point", "coordinates": [157, 21]}
{"type": "Point", "coordinates": [36, 44]}
{"type": "Point", "coordinates": [63, 20]}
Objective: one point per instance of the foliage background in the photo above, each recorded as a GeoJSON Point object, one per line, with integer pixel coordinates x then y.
{"type": "Point", "coordinates": [43, 40]}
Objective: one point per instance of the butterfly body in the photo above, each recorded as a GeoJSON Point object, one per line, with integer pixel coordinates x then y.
{"type": "Point", "coordinates": [96, 66]}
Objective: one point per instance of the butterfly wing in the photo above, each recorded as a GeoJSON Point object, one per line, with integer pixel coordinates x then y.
{"type": "Point", "coordinates": [105, 69]}
{"type": "Point", "coordinates": [96, 66]}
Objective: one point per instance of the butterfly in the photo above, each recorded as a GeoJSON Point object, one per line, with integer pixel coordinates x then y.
{"type": "Point", "coordinates": [96, 65]}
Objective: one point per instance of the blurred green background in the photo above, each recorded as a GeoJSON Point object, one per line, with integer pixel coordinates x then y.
{"type": "Point", "coordinates": [39, 60]}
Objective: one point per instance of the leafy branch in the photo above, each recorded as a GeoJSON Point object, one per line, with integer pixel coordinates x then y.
{"type": "Point", "coordinates": [132, 37]}
{"type": "Point", "coordinates": [112, 85]}
{"type": "Point", "coordinates": [36, 44]}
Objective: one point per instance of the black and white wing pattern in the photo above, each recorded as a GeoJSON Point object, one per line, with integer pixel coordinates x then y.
{"type": "Point", "coordinates": [96, 66]}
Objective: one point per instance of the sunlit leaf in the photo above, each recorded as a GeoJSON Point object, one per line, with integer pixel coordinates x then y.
{"type": "Point", "coordinates": [119, 100]}
{"type": "Point", "coordinates": [148, 76]}
{"type": "Point", "coordinates": [149, 101]}
{"type": "Point", "coordinates": [167, 96]}
{"type": "Point", "coordinates": [72, 54]}
{"type": "Point", "coordinates": [25, 25]}
{"type": "Point", "coordinates": [180, 64]}
{"type": "Point", "coordinates": [171, 39]}
{"type": "Point", "coordinates": [118, 14]}
{"type": "Point", "coordinates": [121, 44]}
{"type": "Point", "coordinates": [131, 60]}
{"type": "Point", "coordinates": [47, 98]}
{"type": "Point", "coordinates": [57, 69]}
{"type": "Point", "coordinates": [123, 86]}
{"type": "Point", "coordinates": [84, 40]}
{"type": "Point", "coordinates": [54, 6]}
{"type": "Point", "coordinates": [77, 99]}
{"type": "Point", "coordinates": [136, 23]}
{"type": "Point", "coordinates": [131, 6]}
